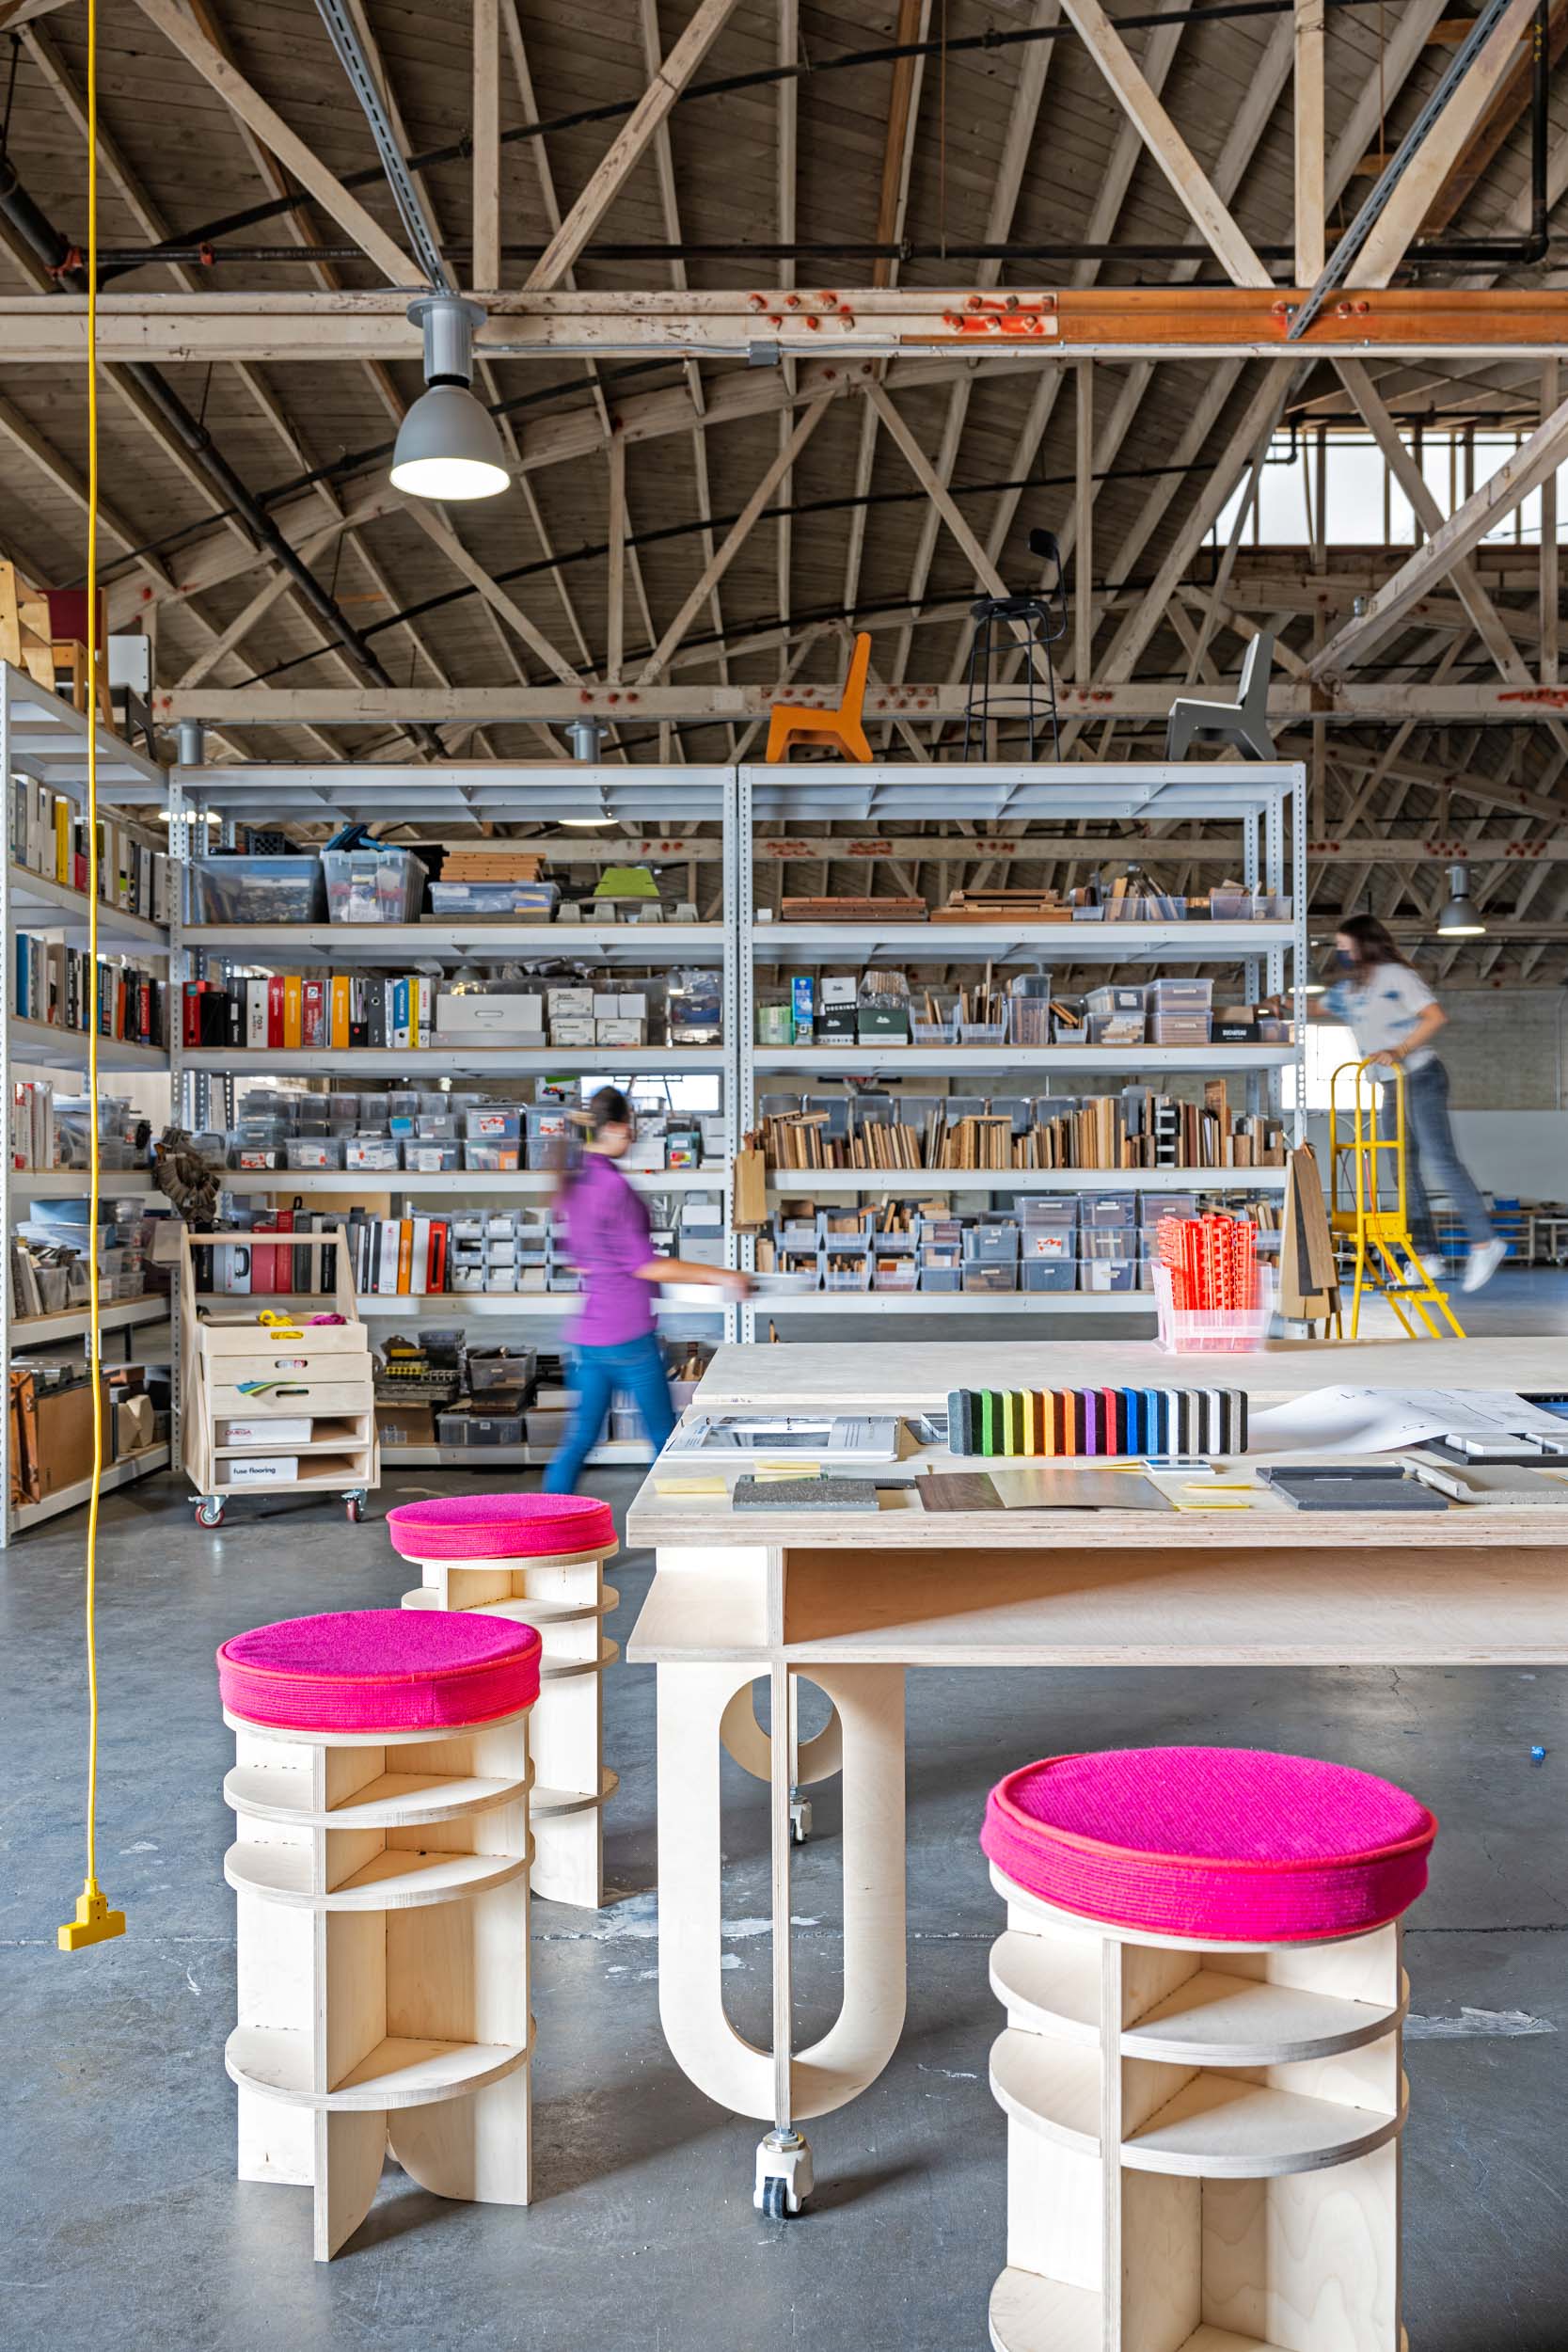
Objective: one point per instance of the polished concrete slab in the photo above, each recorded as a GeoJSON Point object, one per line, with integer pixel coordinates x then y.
{"type": "Point", "coordinates": [123, 2218]}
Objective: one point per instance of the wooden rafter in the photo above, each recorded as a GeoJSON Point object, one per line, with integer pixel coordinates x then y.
{"type": "Point", "coordinates": [628, 144]}
{"type": "Point", "coordinates": [182, 31]}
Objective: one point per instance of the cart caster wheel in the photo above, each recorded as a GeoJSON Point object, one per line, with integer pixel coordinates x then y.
{"type": "Point", "coordinates": [784, 2175]}
{"type": "Point", "coordinates": [209, 1512]}
{"type": "Point", "coordinates": [799, 1820]}
{"type": "Point", "coordinates": [354, 1506]}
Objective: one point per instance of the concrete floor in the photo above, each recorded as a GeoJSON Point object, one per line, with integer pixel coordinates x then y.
{"type": "Point", "coordinates": [124, 2221]}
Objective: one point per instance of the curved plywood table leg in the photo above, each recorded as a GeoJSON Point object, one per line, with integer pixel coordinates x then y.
{"type": "Point", "coordinates": [694, 1704]}
{"type": "Point", "coordinates": [818, 1759]}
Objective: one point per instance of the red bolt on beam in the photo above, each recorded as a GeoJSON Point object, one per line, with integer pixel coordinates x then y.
{"type": "Point", "coordinates": [757, 302]}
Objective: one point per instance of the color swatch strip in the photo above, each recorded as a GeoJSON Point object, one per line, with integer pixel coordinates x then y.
{"type": "Point", "coordinates": [1083, 1423]}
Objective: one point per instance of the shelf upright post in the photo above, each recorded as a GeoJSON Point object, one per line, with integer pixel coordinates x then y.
{"type": "Point", "coordinates": [740, 1008]}
{"type": "Point", "coordinates": [179, 970]}
{"type": "Point", "coordinates": [1293, 879]}
{"type": "Point", "coordinates": [7, 979]}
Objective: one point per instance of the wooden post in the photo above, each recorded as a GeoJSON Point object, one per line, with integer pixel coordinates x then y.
{"type": "Point", "coordinates": [1083, 553]}
{"type": "Point", "coordinates": [616, 623]}
{"type": "Point", "coordinates": [1309, 141]}
{"type": "Point", "coordinates": [487, 270]}
{"type": "Point", "coordinates": [1547, 666]}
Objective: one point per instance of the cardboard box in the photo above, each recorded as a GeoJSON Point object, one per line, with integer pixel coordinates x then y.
{"type": "Point", "coordinates": [618, 1032]}
{"type": "Point", "coordinates": [573, 1030]}
{"type": "Point", "coordinates": [834, 1021]}
{"type": "Point", "coordinates": [882, 1020]}
{"type": "Point", "coordinates": [136, 1425]}
{"type": "Point", "coordinates": [605, 1007]}
{"type": "Point", "coordinates": [569, 1004]}
{"type": "Point", "coordinates": [838, 991]}
{"type": "Point", "coordinates": [287, 1429]}
{"type": "Point", "coordinates": [633, 1008]}
{"type": "Point", "coordinates": [64, 1423]}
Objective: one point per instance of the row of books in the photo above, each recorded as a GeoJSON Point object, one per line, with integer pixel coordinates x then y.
{"type": "Point", "coordinates": [408, 1257]}
{"type": "Point", "coordinates": [330, 1014]}
{"type": "Point", "coordinates": [1134, 1128]}
{"type": "Point", "coordinates": [55, 983]}
{"type": "Point", "coordinates": [48, 835]}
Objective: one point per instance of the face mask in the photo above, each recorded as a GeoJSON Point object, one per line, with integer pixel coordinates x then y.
{"type": "Point", "coordinates": [1344, 959]}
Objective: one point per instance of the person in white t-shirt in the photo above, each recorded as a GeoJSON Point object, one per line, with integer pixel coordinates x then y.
{"type": "Point", "coordinates": [1394, 1017]}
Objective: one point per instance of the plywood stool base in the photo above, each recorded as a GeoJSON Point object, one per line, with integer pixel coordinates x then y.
{"type": "Point", "coordinates": [383, 1945]}
{"type": "Point", "coordinates": [1203, 2142]}
{"type": "Point", "coordinates": [566, 1597]}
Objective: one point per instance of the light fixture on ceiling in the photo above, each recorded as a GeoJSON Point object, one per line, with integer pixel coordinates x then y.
{"type": "Point", "coordinates": [586, 738]}
{"type": "Point", "coordinates": [1459, 918]}
{"type": "Point", "coordinates": [448, 446]}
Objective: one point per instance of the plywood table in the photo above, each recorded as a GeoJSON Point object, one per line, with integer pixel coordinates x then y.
{"type": "Point", "coordinates": [850, 1601]}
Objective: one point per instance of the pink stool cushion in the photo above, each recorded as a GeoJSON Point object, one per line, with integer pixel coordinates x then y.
{"type": "Point", "coordinates": [500, 1527]}
{"type": "Point", "coordinates": [369, 1670]}
{"type": "Point", "coordinates": [1227, 1845]}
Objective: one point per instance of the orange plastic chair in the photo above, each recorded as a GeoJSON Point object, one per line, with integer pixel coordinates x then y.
{"type": "Point", "coordinates": [798, 723]}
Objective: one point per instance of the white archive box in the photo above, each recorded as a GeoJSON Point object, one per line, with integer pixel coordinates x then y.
{"type": "Point", "coordinates": [264, 1469]}
{"type": "Point", "coordinates": [472, 1015]}
{"type": "Point", "coordinates": [292, 1429]}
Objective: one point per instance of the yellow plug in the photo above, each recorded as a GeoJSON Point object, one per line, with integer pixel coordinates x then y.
{"type": "Point", "coordinates": [94, 1923]}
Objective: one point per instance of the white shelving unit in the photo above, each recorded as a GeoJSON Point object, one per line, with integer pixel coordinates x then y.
{"type": "Point", "coordinates": [1265, 804]}
{"type": "Point", "coordinates": [422, 803]}
{"type": "Point", "coordinates": [45, 739]}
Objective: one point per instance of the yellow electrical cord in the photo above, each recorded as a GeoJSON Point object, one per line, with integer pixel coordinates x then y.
{"type": "Point", "coordinates": [94, 1922]}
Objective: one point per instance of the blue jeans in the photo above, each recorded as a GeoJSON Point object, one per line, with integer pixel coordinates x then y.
{"type": "Point", "coordinates": [1432, 1160]}
{"type": "Point", "coordinates": [634, 1364]}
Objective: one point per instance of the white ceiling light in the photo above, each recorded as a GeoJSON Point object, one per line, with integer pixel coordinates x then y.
{"type": "Point", "coordinates": [1459, 918]}
{"type": "Point", "coordinates": [448, 446]}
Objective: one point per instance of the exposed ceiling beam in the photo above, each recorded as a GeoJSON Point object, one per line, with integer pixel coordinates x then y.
{"type": "Point", "coordinates": [1146, 702]}
{"type": "Point", "coordinates": [1195, 323]}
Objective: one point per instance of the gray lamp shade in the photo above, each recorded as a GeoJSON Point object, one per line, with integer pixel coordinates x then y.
{"type": "Point", "coordinates": [447, 447]}
{"type": "Point", "coordinates": [1459, 919]}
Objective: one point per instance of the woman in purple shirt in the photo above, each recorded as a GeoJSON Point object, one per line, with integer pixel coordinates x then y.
{"type": "Point", "coordinates": [607, 1239]}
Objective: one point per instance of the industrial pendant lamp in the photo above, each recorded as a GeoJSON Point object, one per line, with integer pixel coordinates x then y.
{"type": "Point", "coordinates": [448, 446]}
{"type": "Point", "coordinates": [1459, 918]}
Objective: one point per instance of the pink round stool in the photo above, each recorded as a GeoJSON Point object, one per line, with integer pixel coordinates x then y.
{"type": "Point", "coordinates": [1201, 2065]}
{"type": "Point", "coordinates": [539, 1556]}
{"type": "Point", "coordinates": [380, 1865]}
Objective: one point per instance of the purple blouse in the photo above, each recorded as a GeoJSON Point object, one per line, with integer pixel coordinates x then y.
{"type": "Point", "coordinates": [607, 1237]}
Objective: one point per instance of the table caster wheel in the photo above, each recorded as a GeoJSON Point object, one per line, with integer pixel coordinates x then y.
{"type": "Point", "coordinates": [354, 1506]}
{"type": "Point", "coordinates": [783, 2176]}
{"type": "Point", "coordinates": [799, 1820]}
{"type": "Point", "coordinates": [209, 1510]}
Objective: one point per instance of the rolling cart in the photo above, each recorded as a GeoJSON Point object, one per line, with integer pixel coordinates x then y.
{"type": "Point", "coordinates": [258, 1373]}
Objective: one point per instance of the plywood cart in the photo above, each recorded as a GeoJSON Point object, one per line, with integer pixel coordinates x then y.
{"type": "Point", "coordinates": [255, 1364]}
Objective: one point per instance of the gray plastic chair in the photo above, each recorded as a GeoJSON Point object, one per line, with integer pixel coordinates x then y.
{"type": "Point", "coordinates": [1244, 722]}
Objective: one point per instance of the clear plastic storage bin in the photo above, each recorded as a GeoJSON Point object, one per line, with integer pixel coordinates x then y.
{"type": "Point", "coordinates": [374, 885]}
{"type": "Point", "coordinates": [989, 1281]}
{"type": "Point", "coordinates": [1107, 1273]}
{"type": "Point", "coordinates": [1117, 999]}
{"type": "Point", "coordinates": [1180, 1028]}
{"type": "Point", "coordinates": [257, 889]}
{"type": "Point", "coordinates": [313, 1151]}
{"type": "Point", "coordinates": [1180, 995]}
{"type": "Point", "coordinates": [1050, 1274]}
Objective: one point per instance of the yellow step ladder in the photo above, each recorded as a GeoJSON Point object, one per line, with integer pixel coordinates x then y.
{"type": "Point", "coordinates": [1386, 1256]}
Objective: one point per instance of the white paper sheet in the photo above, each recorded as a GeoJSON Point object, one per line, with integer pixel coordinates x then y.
{"type": "Point", "coordinates": [1379, 1420]}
